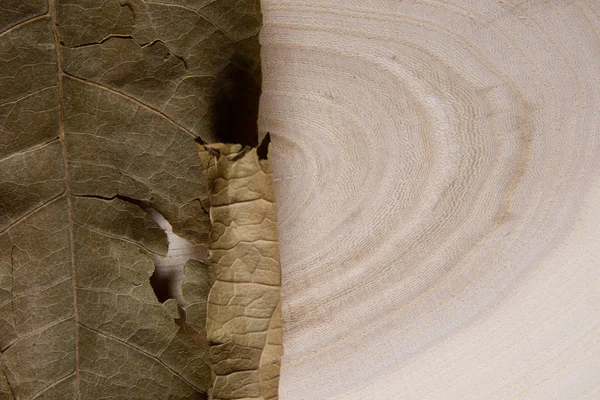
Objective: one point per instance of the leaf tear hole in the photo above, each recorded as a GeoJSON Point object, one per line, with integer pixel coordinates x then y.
{"type": "Point", "coordinates": [168, 271]}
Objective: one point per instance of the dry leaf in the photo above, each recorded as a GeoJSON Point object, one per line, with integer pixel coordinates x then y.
{"type": "Point", "coordinates": [101, 103]}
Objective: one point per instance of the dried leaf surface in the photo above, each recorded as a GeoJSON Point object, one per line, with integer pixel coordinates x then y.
{"type": "Point", "coordinates": [101, 103]}
{"type": "Point", "coordinates": [244, 303]}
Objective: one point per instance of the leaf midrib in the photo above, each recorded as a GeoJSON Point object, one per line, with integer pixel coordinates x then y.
{"type": "Point", "coordinates": [61, 131]}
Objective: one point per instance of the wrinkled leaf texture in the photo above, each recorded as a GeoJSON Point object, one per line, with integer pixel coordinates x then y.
{"type": "Point", "coordinates": [244, 324]}
{"type": "Point", "coordinates": [100, 104]}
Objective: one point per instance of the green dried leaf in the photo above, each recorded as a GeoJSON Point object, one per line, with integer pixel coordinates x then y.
{"type": "Point", "coordinates": [101, 102]}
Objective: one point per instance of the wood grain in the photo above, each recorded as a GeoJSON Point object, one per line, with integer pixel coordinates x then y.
{"type": "Point", "coordinates": [436, 169]}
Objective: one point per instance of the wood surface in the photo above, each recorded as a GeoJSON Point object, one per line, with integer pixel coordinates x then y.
{"type": "Point", "coordinates": [436, 171]}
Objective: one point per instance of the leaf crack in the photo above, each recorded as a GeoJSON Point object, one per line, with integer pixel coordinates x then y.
{"type": "Point", "coordinates": [108, 37]}
{"type": "Point", "coordinates": [131, 200]}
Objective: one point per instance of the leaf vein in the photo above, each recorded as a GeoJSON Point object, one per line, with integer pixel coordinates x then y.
{"type": "Point", "coordinates": [197, 13]}
{"type": "Point", "coordinates": [59, 86]}
{"type": "Point", "coordinates": [30, 149]}
{"type": "Point", "coordinates": [38, 332]}
{"type": "Point", "coordinates": [51, 385]}
{"type": "Point", "coordinates": [27, 95]}
{"type": "Point", "coordinates": [44, 204]}
{"type": "Point", "coordinates": [23, 23]}
{"type": "Point", "coordinates": [142, 352]}
{"type": "Point", "coordinates": [134, 100]}
{"type": "Point", "coordinates": [118, 238]}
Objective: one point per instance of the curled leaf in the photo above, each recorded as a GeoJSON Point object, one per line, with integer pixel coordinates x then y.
{"type": "Point", "coordinates": [244, 303]}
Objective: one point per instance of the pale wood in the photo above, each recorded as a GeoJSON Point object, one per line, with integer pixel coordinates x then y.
{"type": "Point", "coordinates": [437, 169]}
